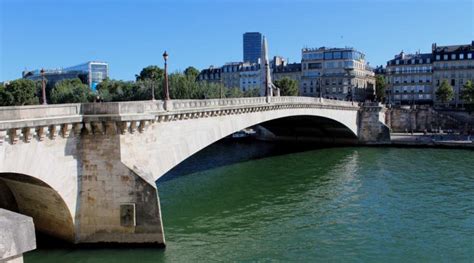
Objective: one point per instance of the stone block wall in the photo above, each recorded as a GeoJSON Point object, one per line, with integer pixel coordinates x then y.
{"type": "Point", "coordinates": [401, 119]}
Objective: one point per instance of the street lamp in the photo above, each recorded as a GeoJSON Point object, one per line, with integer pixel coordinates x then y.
{"type": "Point", "coordinates": [166, 87]}
{"type": "Point", "coordinates": [43, 87]}
{"type": "Point", "coordinates": [152, 90]}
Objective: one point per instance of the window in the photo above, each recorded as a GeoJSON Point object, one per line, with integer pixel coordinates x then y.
{"type": "Point", "coordinates": [453, 56]}
{"type": "Point", "coordinates": [428, 60]}
{"type": "Point", "coordinates": [337, 55]}
{"type": "Point", "coordinates": [469, 55]}
{"type": "Point", "coordinates": [445, 57]}
{"type": "Point", "coordinates": [328, 55]}
{"type": "Point", "coordinates": [438, 57]}
{"type": "Point", "coordinates": [453, 82]}
{"type": "Point", "coordinates": [311, 90]}
{"type": "Point", "coordinates": [461, 56]}
{"type": "Point", "coordinates": [397, 62]}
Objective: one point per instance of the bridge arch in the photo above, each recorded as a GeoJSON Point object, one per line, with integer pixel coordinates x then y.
{"type": "Point", "coordinates": [32, 197]}
{"type": "Point", "coordinates": [166, 144]}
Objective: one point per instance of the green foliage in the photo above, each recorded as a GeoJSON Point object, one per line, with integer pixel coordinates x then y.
{"type": "Point", "coordinates": [288, 87]}
{"type": "Point", "coordinates": [252, 93]}
{"type": "Point", "coordinates": [18, 92]}
{"type": "Point", "coordinates": [380, 87]}
{"type": "Point", "coordinates": [191, 73]}
{"type": "Point", "coordinates": [151, 73]}
{"type": "Point", "coordinates": [234, 93]}
{"type": "Point", "coordinates": [71, 91]}
{"type": "Point", "coordinates": [209, 90]}
{"type": "Point", "coordinates": [117, 90]}
{"type": "Point", "coordinates": [468, 92]}
{"type": "Point", "coordinates": [445, 92]}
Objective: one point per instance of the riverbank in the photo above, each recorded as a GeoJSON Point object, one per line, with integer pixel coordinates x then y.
{"type": "Point", "coordinates": [437, 140]}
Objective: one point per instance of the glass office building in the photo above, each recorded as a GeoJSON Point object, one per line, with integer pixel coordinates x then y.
{"type": "Point", "coordinates": [252, 47]}
{"type": "Point", "coordinates": [90, 73]}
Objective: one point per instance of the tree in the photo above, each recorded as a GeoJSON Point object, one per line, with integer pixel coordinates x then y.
{"type": "Point", "coordinates": [18, 92]}
{"type": "Point", "coordinates": [234, 93]}
{"type": "Point", "coordinates": [380, 86]}
{"type": "Point", "coordinates": [117, 90]}
{"type": "Point", "coordinates": [209, 90]}
{"type": "Point", "coordinates": [288, 87]}
{"type": "Point", "coordinates": [468, 92]}
{"type": "Point", "coordinates": [71, 91]}
{"type": "Point", "coordinates": [151, 72]}
{"type": "Point", "coordinates": [445, 92]}
{"type": "Point", "coordinates": [191, 72]}
{"type": "Point", "coordinates": [252, 92]}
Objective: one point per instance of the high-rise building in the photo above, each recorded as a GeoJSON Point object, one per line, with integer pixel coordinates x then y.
{"type": "Point", "coordinates": [252, 47]}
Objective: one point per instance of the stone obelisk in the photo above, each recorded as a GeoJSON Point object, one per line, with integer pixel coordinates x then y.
{"type": "Point", "coordinates": [268, 88]}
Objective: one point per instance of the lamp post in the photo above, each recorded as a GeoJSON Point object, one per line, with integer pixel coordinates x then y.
{"type": "Point", "coordinates": [43, 87]}
{"type": "Point", "coordinates": [320, 88]}
{"type": "Point", "coordinates": [166, 87]}
{"type": "Point", "coordinates": [152, 90]}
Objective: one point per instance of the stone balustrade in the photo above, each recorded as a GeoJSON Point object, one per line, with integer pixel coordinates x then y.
{"type": "Point", "coordinates": [27, 122]}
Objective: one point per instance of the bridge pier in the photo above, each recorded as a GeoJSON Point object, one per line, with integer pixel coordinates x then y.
{"type": "Point", "coordinates": [371, 124]}
{"type": "Point", "coordinates": [116, 204]}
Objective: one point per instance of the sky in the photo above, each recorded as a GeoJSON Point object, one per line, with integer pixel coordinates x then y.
{"type": "Point", "coordinates": [132, 34]}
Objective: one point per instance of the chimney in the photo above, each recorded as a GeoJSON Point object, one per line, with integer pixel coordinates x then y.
{"type": "Point", "coordinates": [433, 47]}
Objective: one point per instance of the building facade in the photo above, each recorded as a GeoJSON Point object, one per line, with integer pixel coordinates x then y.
{"type": "Point", "coordinates": [250, 77]}
{"type": "Point", "coordinates": [252, 47]}
{"type": "Point", "coordinates": [211, 75]}
{"type": "Point", "coordinates": [230, 74]}
{"type": "Point", "coordinates": [454, 64]}
{"type": "Point", "coordinates": [409, 79]}
{"type": "Point", "coordinates": [291, 71]}
{"type": "Point", "coordinates": [90, 73]}
{"type": "Point", "coordinates": [336, 73]}
{"type": "Point", "coordinates": [415, 78]}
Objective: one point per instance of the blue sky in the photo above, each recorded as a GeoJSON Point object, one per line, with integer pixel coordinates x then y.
{"type": "Point", "coordinates": [131, 34]}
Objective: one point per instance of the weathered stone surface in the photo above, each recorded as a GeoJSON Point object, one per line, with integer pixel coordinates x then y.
{"type": "Point", "coordinates": [17, 236]}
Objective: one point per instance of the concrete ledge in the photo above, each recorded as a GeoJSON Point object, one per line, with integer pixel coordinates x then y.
{"type": "Point", "coordinates": [17, 236]}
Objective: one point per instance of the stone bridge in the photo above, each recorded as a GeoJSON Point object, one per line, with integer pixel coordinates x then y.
{"type": "Point", "coordinates": [86, 172]}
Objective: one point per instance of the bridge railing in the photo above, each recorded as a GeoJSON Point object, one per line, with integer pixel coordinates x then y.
{"type": "Point", "coordinates": [38, 111]}
{"type": "Point", "coordinates": [24, 116]}
{"type": "Point", "coordinates": [122, 108]}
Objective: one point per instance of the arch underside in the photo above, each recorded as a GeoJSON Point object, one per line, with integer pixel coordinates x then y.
{"type": "Point", "coordinates": [32, 197]}
{"type": "Point", "coordinates": [308, 129]}
{"type": "Point", "coordinates": [167, 144]}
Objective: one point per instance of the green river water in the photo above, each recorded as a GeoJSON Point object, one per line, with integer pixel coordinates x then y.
{"type": "Point", "coordinates": [260, 202]}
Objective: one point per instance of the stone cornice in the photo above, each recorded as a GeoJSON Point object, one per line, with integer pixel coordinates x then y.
{"type": "Point", "coordinates": [40, 122]}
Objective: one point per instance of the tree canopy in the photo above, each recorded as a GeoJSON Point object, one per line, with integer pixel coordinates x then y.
{"type": "Point", "coordinates": [18, 92]}
{"type": "Point", "coordinates": [380, 87]}
{"type": "Point", "coordinates": [468, 92]}
{"type": "Point", "coordinates": [71, 91]}
{"type": "Point", "coordinates": [151, 72]}
{"type": "Point", "coordinates": [287, 86]}
{"type": "Point", "coordinates": [445, 92]}
{"type": "Point", "coordinates": [191, 73]}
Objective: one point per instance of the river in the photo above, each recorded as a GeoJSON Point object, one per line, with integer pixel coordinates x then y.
{"type": "Point", "coordinates": [262, 202]}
